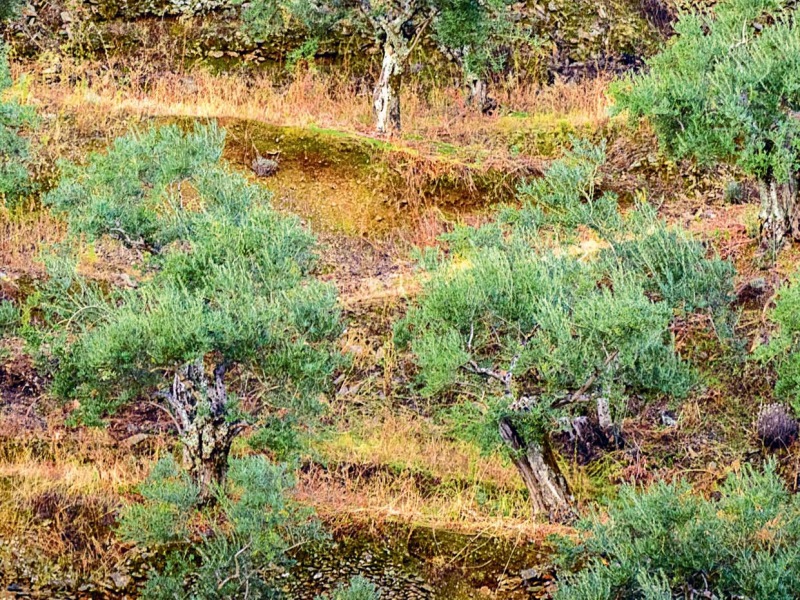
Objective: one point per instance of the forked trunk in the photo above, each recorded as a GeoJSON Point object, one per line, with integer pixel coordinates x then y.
{"type": "Point", "coordinates": [779, 216]}
{"type": "Point", "coordinates": [386, 100]}
{"type": "Point", "coordinates": [201, 413]}
{"type": "Point", "coordinates": [536, 464]}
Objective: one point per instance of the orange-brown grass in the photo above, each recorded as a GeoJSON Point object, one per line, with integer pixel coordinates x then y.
{"type": "Point", "coordinates": [399, 466]}
{"type": "Point", "coordinates": [311, 98]}
{"type": "Point", "coordinates": [59, 491]}
{"type": "Point", "coordinates": [22, 237]}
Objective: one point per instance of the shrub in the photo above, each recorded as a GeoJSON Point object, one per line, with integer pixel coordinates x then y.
{"type": "Point", "coordinates": [141, 191]}
{"type": "Point", "coordinates": [220, 552]}
{"type": "Point", "coordinates": [227, 284]}
{"type": "Point", "coordinates": [358, 589]}
{"type": "Point", "coordinates": [9, 9]}
{"type": "Point", "coordinates": [726, 89]}
{"type": "Point", "coordinates": [15, 183]}
{"type": "Point", "coordinates": [567, 193]}
{"type": "Point", "coordinates": [9, 317]}
{"type": "Point", "coordinates": [667, 542]}
{"type": "Point", "coordinates": [555, 327]}
{"type": "Point", "coordinates": [783, 350]}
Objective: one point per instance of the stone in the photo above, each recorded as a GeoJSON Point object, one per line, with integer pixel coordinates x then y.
{"type": "Point", "coordinates": [668, 418]}
{"type": "Point", "coordinates": [776, 427]}
{"type": "Point", "coordinates": [264, 167]}
{"type": "Point", "coordinates": [120, 580]}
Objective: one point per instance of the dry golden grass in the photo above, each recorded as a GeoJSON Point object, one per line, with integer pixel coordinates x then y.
{"type": "Point", "coordinates": [346, 500]}
{"type": "Point", "coordinates": [337, 101]}
{"type": "Point", "coordinates": [23, 235]}
{"type": "Point", "coordinates": [398, 466]}
{"type": "Point", "coordinates": [402, 438]}
{"type": "Point", "coordinates": [59, 491]}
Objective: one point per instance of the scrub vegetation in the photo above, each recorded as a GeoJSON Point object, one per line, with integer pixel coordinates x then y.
{"type": "Point", "coordinates": [415, 299]}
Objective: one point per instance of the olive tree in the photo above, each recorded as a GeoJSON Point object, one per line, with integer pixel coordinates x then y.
{"type": "Point", "coordinates": [471, 33]}
{"type": "Point", "coordinates": [727, 88]}
{"type": "Point", "coordinates": [226, 284]}
{"type": "Point", "coordinates": [546, 330]}
{"type": "Point", "coordinates": [399, 25]}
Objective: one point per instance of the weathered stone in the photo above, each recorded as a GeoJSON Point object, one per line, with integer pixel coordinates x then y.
{"type": "Point", "coordinates": [776, 427]}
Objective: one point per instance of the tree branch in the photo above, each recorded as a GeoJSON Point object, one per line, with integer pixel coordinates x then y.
{"type": "Point", "coordinates": [576, 396]}
{"type": "Point", "coordinates": [420, 30]}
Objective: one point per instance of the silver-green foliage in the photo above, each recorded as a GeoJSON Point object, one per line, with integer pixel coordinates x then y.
{"type": "Point", "coordinates": [358, 588]}
{"type": "Point", "coordinates": [783, 349]}
{"type": "Point", "coordinates": [249, 528]}
{"type": "Point", "coordinates": [522, 296]}
{"type": "Point", "coordinates": [136, 190]}
{"type": "Point", "coordinates": [667, 542]}
{"type": "Point", "coordinates": [15, 182]}
{"type": "Point", "coordinates": [9, 317]}
{"type": "Point", "coordinates": [476, 31]}
{"type": "Point", "coordinates": [727, 87]}
{"type": "Point", "coordinates": [232, 281]}
{"type": "Point", "coordinates": [9, 9]}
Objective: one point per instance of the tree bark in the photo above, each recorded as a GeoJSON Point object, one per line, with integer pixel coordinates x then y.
{"type": "Point", "coordinates": [779, 216]}
{"type": "Point", "coordinates": [201, 414]}
{"type": "Point", "coordinates": [477, 92]}
{"type": "Point", "coordinates": [206, 446]}
{"type": "Point", "coordinates": [536, 464]}
{"type": "Point", "coordinates": [386, 99]}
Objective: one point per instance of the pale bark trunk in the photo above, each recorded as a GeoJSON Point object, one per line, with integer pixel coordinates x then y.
{"type": "Point", "coordinates": [779, 216]}
{"type": "Point", "coordinates": [478, 92]}
{"type": "Point", "coordinates": [386, 99]}
{"type": "Point", "coordinates": [477, 85]}
{"type": "Point", "coordinates": [604, 413]}
{"type": "Point", "coordinates": [201, 414]}
{"type": "Point", "coordinates": [547, 487]}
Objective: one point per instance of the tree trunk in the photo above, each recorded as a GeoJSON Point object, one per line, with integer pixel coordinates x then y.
{"type": "Point", "coordinates": [779, 216]}
{"type": "Point", "coordinates": [206, 445]}
{"type": "Point", "coordinates": [477, 92]}
{"type": "Point", "coordinates": [536, 464]}
{"type": "Point", "coordinates": [386, 100]}
{"type": "Point", "coordinates": [476, 84]}
{"type": "Point", "coordinates": [201, 414]}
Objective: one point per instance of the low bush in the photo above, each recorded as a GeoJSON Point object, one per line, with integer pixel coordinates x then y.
{"type": "Point", "coordinates": [555, 320]}
{"type": "Point", "coordinates": [15, 181]}
{"type": "Point", "coordinates": [218, 552]}
{"type": "Point", "coordinates": [144, 188]}
{"type": "Point", "coordinates": [666, 542]}
{"type": "Point", "coordinates": [9, 317]}
{"type": "Point", "coordinates": [358, 589]}
{"type": "Point", "coordinates": [783, 350]}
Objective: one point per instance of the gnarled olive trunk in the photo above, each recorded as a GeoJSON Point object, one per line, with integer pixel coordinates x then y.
{"type": "Point", "coordinates": [386, 99]}
{"type": "Point", "coordinates": [536, 464]}
{"type": "Point", "coordinates": [779, 216]}
{"type": "Point", "coordinates": [477, 92]}
{"type": "Point", "coordinates": [206, 446]}
{"type": "Point", "coordinates": [201, 411]}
